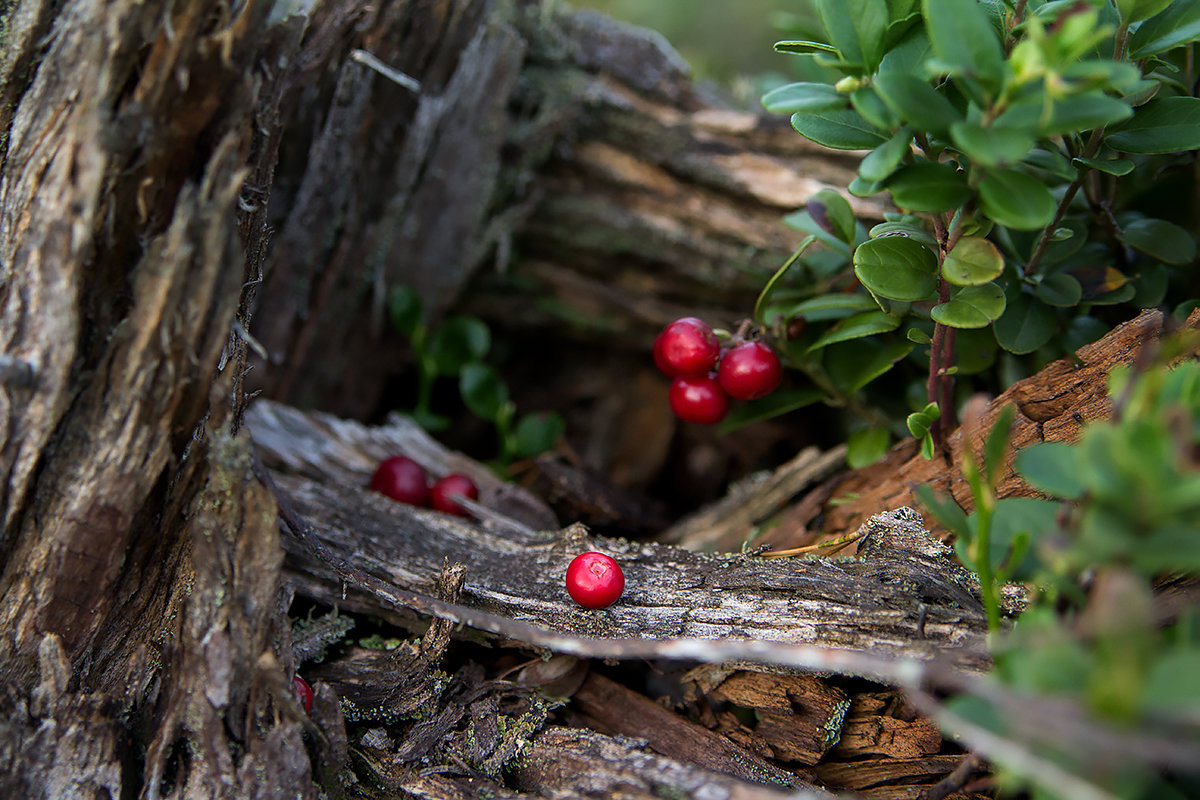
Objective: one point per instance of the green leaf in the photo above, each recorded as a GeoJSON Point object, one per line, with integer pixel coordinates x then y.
{"type": "Point", "coordinates": [880, 162]}
{"type": "Point", "coordinates": [1161, 239]}
{"type": "Point", "coordinates": [804, 46]}
{"type": "Point", "coordinates": [852, 365]}
{"type": "Point", "coordinates": [458, 341]}
{"type": "Point", "coordinates": [768, 290]}
{"type": "Point", "coordinates": [857, 28]}
{"type": "Point", "coordinates": [1178, 25]}
{"type": "Point", "coordinates": [1015, 517]}
{"type": "Point", "coordinates": [1059, 289]}
{"type": "Point", "coordinates": [404, 308]}
{"type": "Point", "coordinates": [537, 433]}
{"type": "Point", "coordinates": [796, 97]}
{"type": "Point", "coordinates": [826, 306]}
{"type": "Point", "coordinates": [1082, 330]}
{"type": "Point", "coordinates": [483, 392]}
{"type": "Point", "coordinates": [896, 268]}
{"type": "Point", "coordinates": [1171, 687]}
{"type": "Point", "coordinates": [904, 230]}
{"type": "Point", "coordinates": [994, 146]}
{"type": "Point", "coordinates": [1150, 285]}
{"type": "Point", "coordinates": [926, 186]}
{"type": "Point", "coordinates": [866, 446]}
{"type": "Point", "coordinates": [1170, 125]}
{"type": "Point", "coordinates": [1016, 200]}
{"type": "Point", "coordinates": [831, 211]}
{"type": "Point", "coordinates": [866, 323]}
{"type": "Point", "coordinates": [996, 444]}
{"type": "Point", "coordinates": [1051, 467]}
{"type": "Point", "coordinates": [943, 508]}
{"type": "Point", "coordinates": [1137, 10]}
{"type": "Point", "coordinates": [1071, 114]}
{"type": "Point", "coordinates": [921, 421]}
{"type": "Point", "coordinates": [843, 129]}
{"type": "Point", "coordinates": [1109, 166]}
{"type": "Point", "coordinates": [973, 261]}
{"type": "Point", "coordinates": [915, 101]}
{"type": "Point", "coordinates": [964, 40]}
{"type": "Point", "coordinates": [1025, 325]}
{"type": "Point", "coordinates": [876, 112]}
{"type": "Point", "coordinates": [769, 407]}
{"type": "Point", "coordinates": [803, 221]}
{"type": "Point", "coordinates": [971, 307]}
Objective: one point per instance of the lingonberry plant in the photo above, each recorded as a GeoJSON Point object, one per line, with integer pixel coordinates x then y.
{"type": "Point", "coordinates": [595, 580]}
{"type": "Point", "coordinates": [446, 491]}
{"type": "Point", "coordinates": [1027, 146]}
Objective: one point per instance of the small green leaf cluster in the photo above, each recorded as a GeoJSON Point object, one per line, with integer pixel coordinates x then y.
{"type": "Point", "coordinates": [456, 348]}
{"type": "Point", "coordinates": [1019, 141]}
{"type": "Point", "coordinates": [1120, 516]}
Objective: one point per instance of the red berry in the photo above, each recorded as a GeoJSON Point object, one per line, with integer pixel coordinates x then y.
{"type": "Point", "coordinates": [403, 479]}
{"type": "Point", "coordinates": [304, 693]}
{"type": "Point", "coordinates": [594, 580]}
{"type": "Point", "coordinates": [443, 493]}
{"type": "Point", "coordinates": [750, 371]}
{"type": "Point", "coordinates": [687, 346]}
{"type": "Point", "coordinates": [699, 399]}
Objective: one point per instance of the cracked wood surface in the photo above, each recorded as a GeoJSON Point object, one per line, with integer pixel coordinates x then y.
{"type": "Point", "coordinates": [895, 603]}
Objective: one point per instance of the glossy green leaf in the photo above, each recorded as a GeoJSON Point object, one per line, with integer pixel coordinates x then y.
{"type": "Point", "coordinates": [1109, 166]}
{"type": "Point", "coordinates": [866, 446]}
{"type": "Point", "coordinates": [826, 306]}
{"type": "Point", "coordinates": [964, 40]}
{"type": "Point", "coordinates": [1178, 25]}
{"type": "Point", "coordinates": [1137, 10]}
{"type": "Point", "coordinates": [1060, 289]}
{"type": "Point", "coordinates": [856, 28]}
{"type": "Point", "coordinates": [883, 160]}
{"type": "Point", "coordinates": [973, 261]}
{"type": "Point", "coordinates": [458, 341]}
{"type": "Point", "coordinates": [971, 307]}
{"type": "Point", "coordinates": [993, 146]}
{"type": "Point", "coordinates": [803, 221]}
{"type": "Point", "coordinates": [853, 364]}
{"type": "Point", "coordinates": [921, 421]}
{"type": "Point", "coordinates": [864, 323]}
{"type": "Point", "coordinates": [1150, 285]}
{"type": "Point", "coordinates": [833, 213]}
{"type": "Point", "coordinates": [803, 46]}
{"type": "Point", "coordinates": [975, 350]}
{"type": "Point", "coordinates": [904, 230]}
{"type": "Point", "coordinates": [1071, 114]}
{"type": "Point", "coordinates": [1080, 331]}
{"type": "Point", "coordinates": [796, 97]}
{"type": "Point", "coordinates": [840, 129]}
{"type": "Point", "coordinates": [1163, 240]}
{"type": "Point", "coordinates": [1016, 200]}
{"type": "Point", "coordinates": [404, 308]}
{"type": "Point", "coordinates": [1170, 125]}
{"type": "Point", "coordinates": [769, 407]}
{"type": "Point", "coordinates": [537, 433]}
{"type": "Point", "coordinates": [915, 101]}
{"type": "Point", "coordinates": [926, 186]}
{"type": "Point", "coordinates": [863, 188]}
{"type": "Point", "coordinates": [872, 108]}
{"type": "Point", "coordinates": [483, 392]}
{"type": "Point", "coordinates": [1051, 467]}
{"type": "Point", "coordinates": [896, 268]}
{"type": "Point", "coordinates": [1025, 325]}
{"type": "Point", "coordinates": [765, 295]}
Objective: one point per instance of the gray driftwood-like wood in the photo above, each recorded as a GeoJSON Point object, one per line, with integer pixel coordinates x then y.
{"type": "Point", "coordinates": [899, 603]}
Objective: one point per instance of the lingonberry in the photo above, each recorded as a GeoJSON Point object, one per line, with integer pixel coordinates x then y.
{"type": "Point", "coordinates": [749, 371]}
{"type": "Point", "coordinates": [304, 693]}
{"type": "Point", "coordinates": [699, 399]}
{"type": "Point", "coordinates": [594, 580]}
{"type": "Point", "coordinates": [443, 493]}
{"type": "Point", "coordinates": [687, 346]}
{"type": "Point", "coordinates": [403, 479]}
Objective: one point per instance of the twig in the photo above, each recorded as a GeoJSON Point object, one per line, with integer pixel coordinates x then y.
{"type": "Point", "coordinates": [391, 73]}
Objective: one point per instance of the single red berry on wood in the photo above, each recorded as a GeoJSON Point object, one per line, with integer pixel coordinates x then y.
{"type": "Point", "coordinates": [594, 580]}
{"type": "Point", "coordinates": [403, 479]}
{"type": "Point", "coordinates": [699, 399]}
{"type": "Point", "coordinates": [687, 346]}
{"type": "Point", "coordinates": [750, 371]}
{"type": "Point", "coordinates": [304, 693]}
{"type": "Point", "coordinates": [444, 493]}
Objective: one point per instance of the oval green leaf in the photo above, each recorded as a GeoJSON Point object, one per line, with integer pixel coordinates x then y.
{"type": "Point", "coordinates": [926, 186]}
{"type": "Point", "coordinates": [1059, 289]}
{"type": "Point", "coordinates": [1178, 25]}
{"type": "Point", "coordinates": [1170, 125]}
{"type": "Point", "coordinates": [483, 392]}
{"type": "Point", "coordinates": [537, 433]}
{"type": "Point", "coordinates": [883, 160]}
{"type": "Point", "coordinates": [826, 306]}
{"type": "Point", "coordinates": [802, 46]}
{"type": "Point", "coordinates": [866, 446]}
{"type": "Point", "coordinates": [1016, 200]}
{"type": "Point", "coordinates": [1025, 325]}
{"type": "Point", "coordinates": [1072, 114]}
{"type": "Point", "coordinates": [896, 268]}
{"type": "Point", "coordinates": [852, 365]}
{"type": "Point", "coordinates": [915, 101]}
{"type": "Point", "coordinates": [964, 39]}
{"type": "Point", "coordinates": [971, 307]}
{"type": "Point", "coordinates": [857, 28]}
{"type": "Point", "coordinates": [866, 323]}
{"type": "Point", "coordinates": [458, 341]}
{"type": "Point", "coordinates": [904, 230]}
{"type": "Point", "coordinates": [1050, 467]}
{"type": "Point", "coordinates": [841, 129]}
{"type": "Point", "coordinates": [833, 213]}
{"type": "Point", "coordinates": [972, 262]}
{"type": "Point", "coordinates": [994, 146]}
{"type": "Point", "coordinates": [796, 97]}
{"type": "Point", "coordinates": [1109, 166]}
{"type": "Point", "coordinates": [1163, 240]}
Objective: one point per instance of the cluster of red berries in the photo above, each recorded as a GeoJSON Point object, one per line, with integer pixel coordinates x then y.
{"type": "Point", "coordinates": [403, 479]}
{"type": "Point", "coordinates": [705, 376]}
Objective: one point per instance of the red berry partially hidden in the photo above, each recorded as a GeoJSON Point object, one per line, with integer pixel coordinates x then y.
{"type": "Point", "coordinates": [594, 580]}
{"type": "Point", "coordinates": [304, 693]}
{"type": "Point", "coordinates": [699, 399]}
{"type": "Point", "coordinates": [750, 371]}
{"type": "Point", "coordinates": [443, 493]}
{"type": "Point", "coordinates": [687, 346]}
{"type": "Point", "coordinates": [403, 479]}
